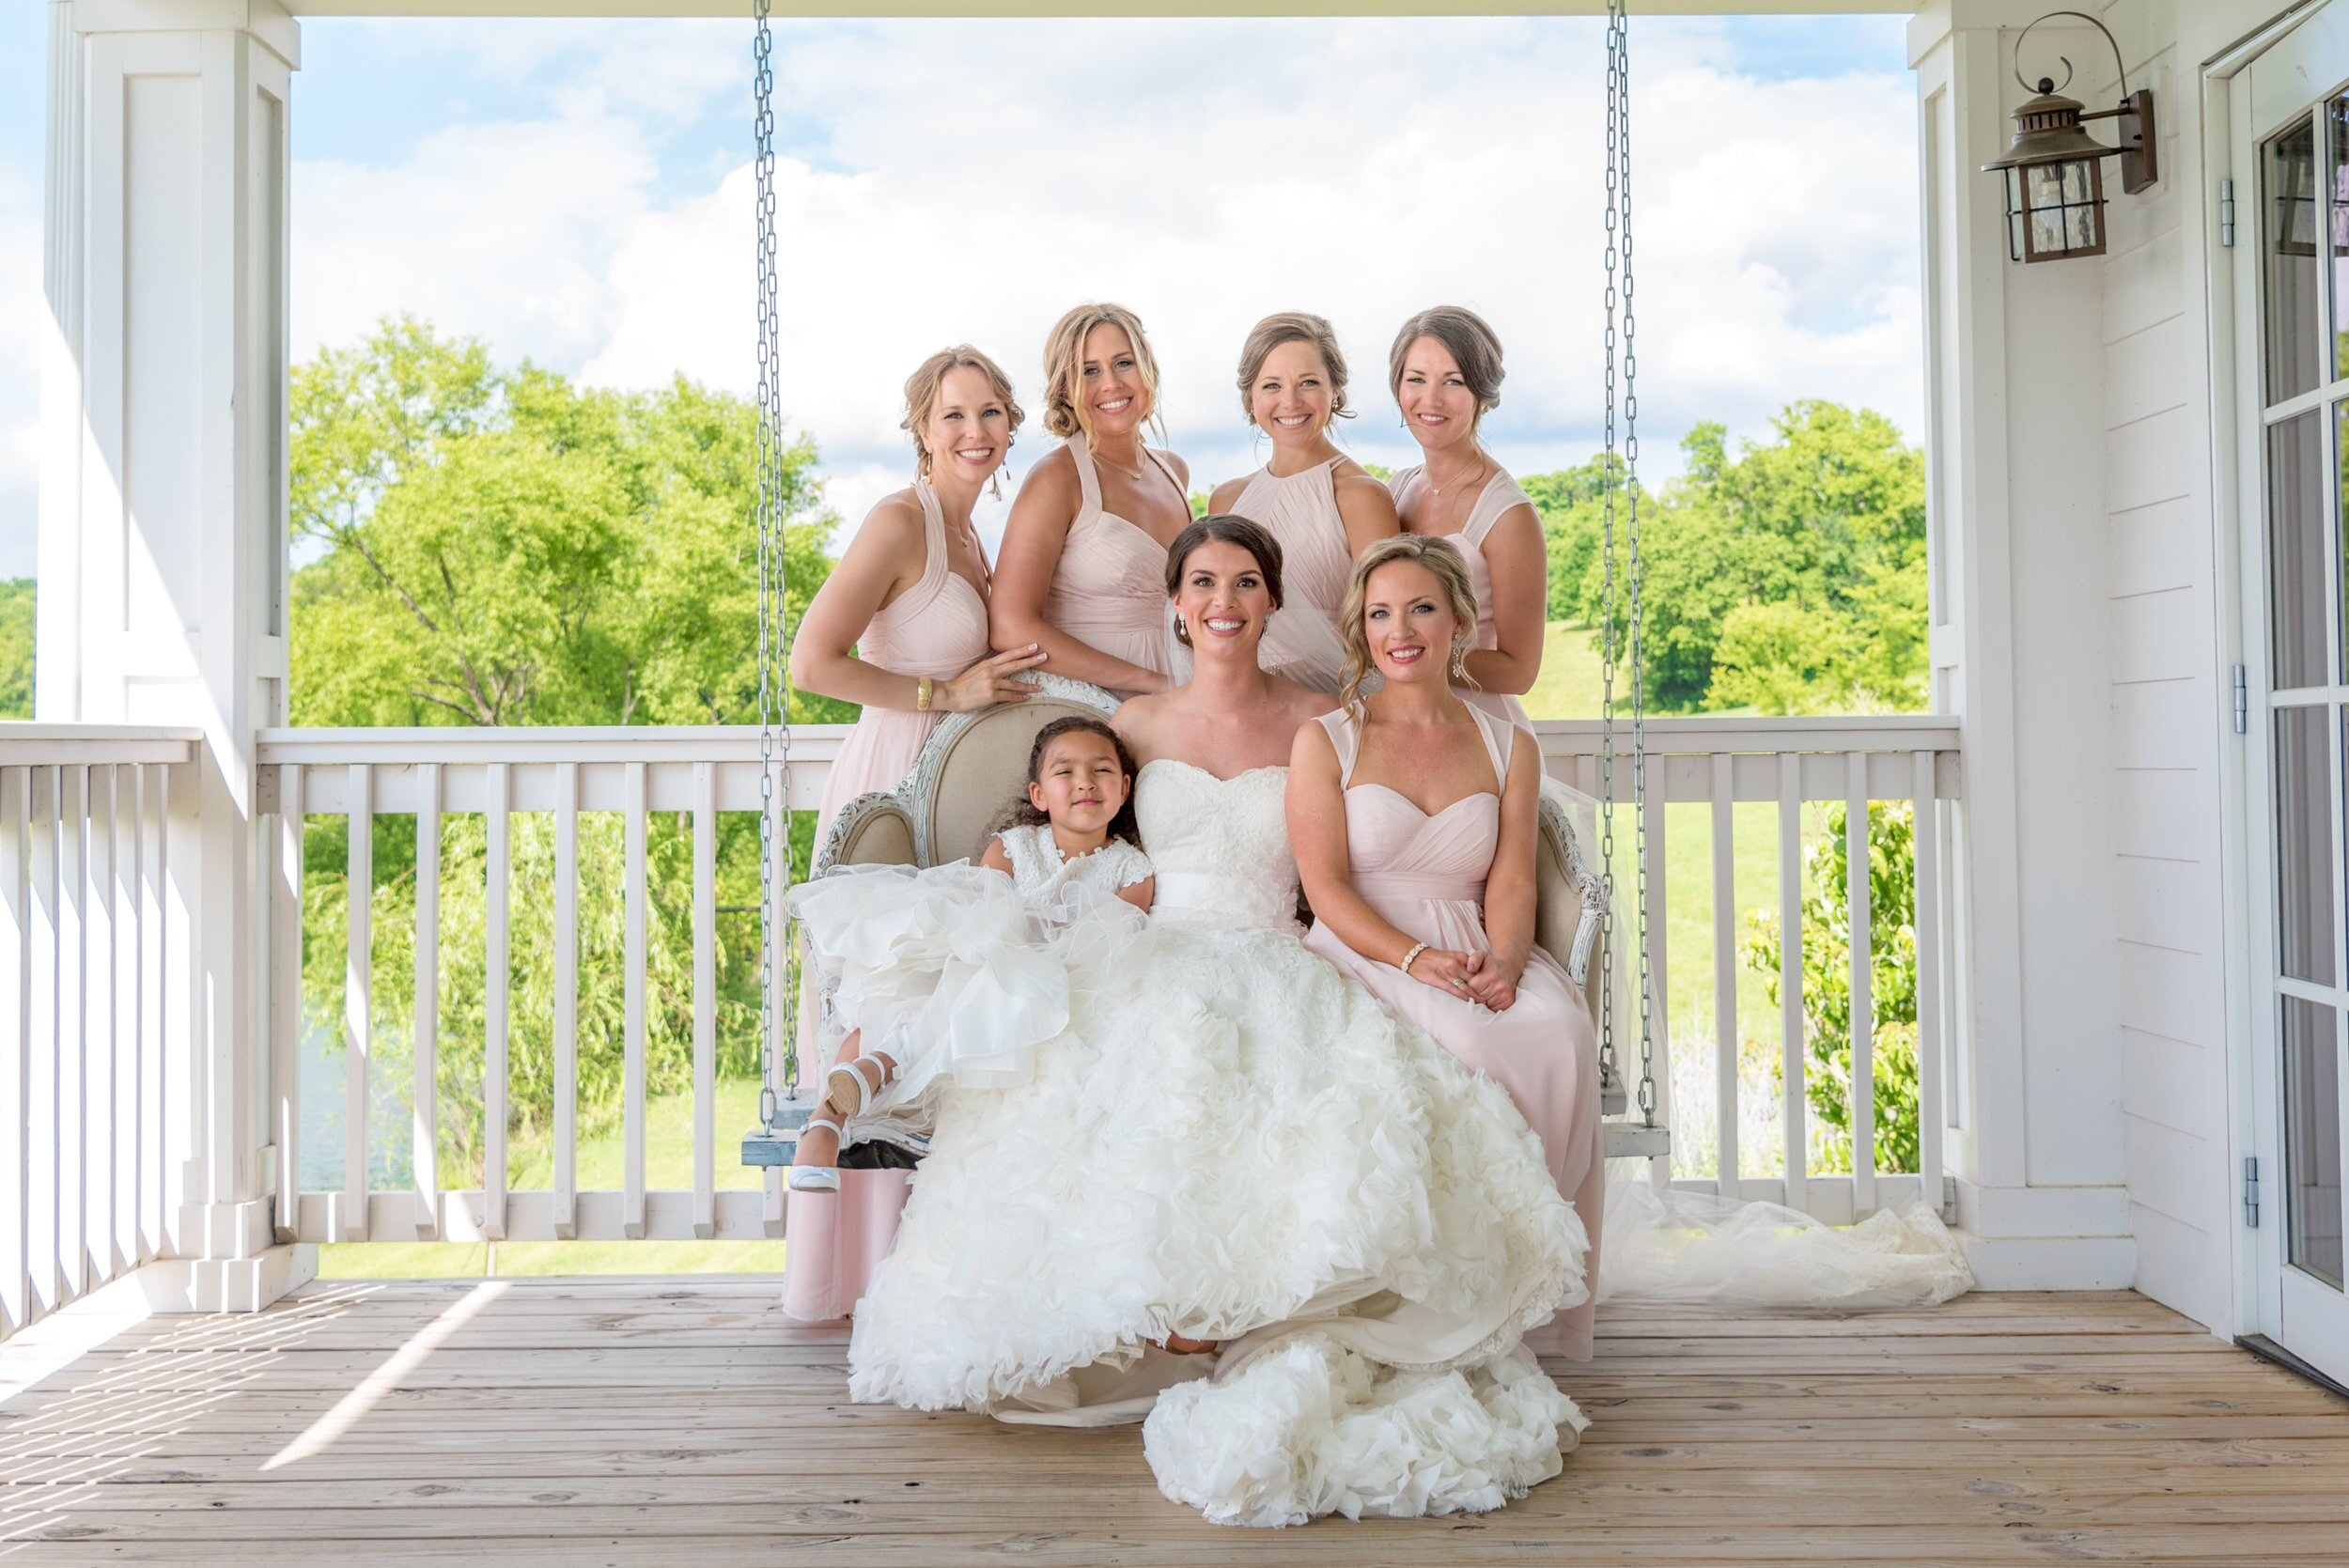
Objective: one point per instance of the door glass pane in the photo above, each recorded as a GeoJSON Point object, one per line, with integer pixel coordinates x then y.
{"type": "Point", "coordinates": [2337, 134]}
{"type": "Point", "coordinates": [2293, 333]}
{"type": "Point", "coordinates": [2313, 1138]}
{"type": "Point", "coordinates": [2304, 844]}
{"type": "Point", "coordinates": [2299, 573]}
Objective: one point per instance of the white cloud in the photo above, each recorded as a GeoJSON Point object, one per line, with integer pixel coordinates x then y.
{"type": "Point", "coordinates": [971, 180]}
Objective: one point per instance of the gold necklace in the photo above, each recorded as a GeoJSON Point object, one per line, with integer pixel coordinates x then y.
{"type": "Point", "coordinates": [1437, 491]}
{"type": "Point", "coordinates": [1134, 474]}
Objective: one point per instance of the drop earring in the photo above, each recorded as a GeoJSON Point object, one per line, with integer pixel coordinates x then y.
{"type": "Point", "coordinates": [1459, 658]}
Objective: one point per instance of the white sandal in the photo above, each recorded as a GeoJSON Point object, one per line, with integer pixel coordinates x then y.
{"type": "Point", "coordinates": [816, 1178]}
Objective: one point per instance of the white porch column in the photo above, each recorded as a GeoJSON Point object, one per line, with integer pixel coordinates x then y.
{"type": "Point", "coordinates": [162, 526]}
{"type": "Point", "coordinates": [2016, 495]}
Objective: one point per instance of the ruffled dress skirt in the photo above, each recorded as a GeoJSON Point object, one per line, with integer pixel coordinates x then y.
{"type": "Point", "coordinates": [1231, 1141]}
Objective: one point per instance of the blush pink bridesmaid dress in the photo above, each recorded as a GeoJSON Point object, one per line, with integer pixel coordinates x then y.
{"type": "Point", "coordinates": [1109, 591]}
{"type": "Point", "coordinates": [1425, 876]}
{"type": "Point", "coordinates": [936, 627]}
{"type": "Point", "coordinates": [1499, 493]}
{"type": "Point", "coordinates": [1300, 511]}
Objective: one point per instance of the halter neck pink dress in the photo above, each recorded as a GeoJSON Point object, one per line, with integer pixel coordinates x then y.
{"type": "Point", "coordinates": [1499, 493]}
{"type": "Point", "coordinates": [1109, 591]}
{"type": "Point", "coordinates": [936, 627]}
{"type": "Point", "coordinates": [1425, 875]}
{"type": "Point", "coordinates": [1302, 512]}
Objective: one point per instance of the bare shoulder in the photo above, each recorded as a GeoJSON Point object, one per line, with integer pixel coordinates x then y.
{"type": "Point", "coordinates": [1226, 494]}
{"type": "Point", "coordinates": [1352, 482]}
{"type": "Point", "coordinates": [1053, 477]}
{"type": "Point", "coordinates": [1136, 721]}
{"type": "Point", "coordinates": [1299, 700]}
{"type": "Point", "coordinates": [893, 524]}
{"type": "Point", "coordinates": [1182, 469]}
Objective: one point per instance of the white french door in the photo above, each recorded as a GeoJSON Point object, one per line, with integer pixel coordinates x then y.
{"type": "Point", "coordinates": [2290, 155]}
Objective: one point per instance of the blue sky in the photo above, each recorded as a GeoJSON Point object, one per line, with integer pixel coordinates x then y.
{"type": "Point", "coordinates": [574, 193]}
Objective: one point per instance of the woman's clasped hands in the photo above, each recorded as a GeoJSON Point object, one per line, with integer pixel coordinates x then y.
{"type": "Point", "coordinates": [1476, 977]}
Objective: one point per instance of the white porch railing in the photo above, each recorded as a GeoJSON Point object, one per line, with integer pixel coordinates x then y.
{"type": "Point", "coordinates": [95, 1006]}
{"type": "Point", "coordinates": [1791, 763]}
{"type": "Point", "coordinates": [86, 967]}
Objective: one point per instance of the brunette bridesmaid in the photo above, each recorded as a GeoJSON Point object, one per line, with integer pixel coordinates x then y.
{"type": "Point", "coordinates": [1445, 373]}
{"type": "Point", "coordinates": [900, 628]}
{"type": "Point", "coordinates": [1083, 570]}
{"type": "Point", "coordinates": [1319, 503]}
{"type": "Point", "coordinates": [1415, 819]}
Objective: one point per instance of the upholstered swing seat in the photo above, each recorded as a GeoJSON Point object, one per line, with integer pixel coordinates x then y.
{"type": "Point", "coordinates": [974, 765]}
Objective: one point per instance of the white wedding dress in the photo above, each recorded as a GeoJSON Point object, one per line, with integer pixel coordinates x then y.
{"type": "Point", "coordinates": [1233, 1140]}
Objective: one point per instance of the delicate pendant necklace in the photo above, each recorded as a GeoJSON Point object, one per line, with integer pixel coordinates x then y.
{"type": "Point", "coordinates": [1134, 474]}
{"type": "Point", "coordinates": [1437, 491]}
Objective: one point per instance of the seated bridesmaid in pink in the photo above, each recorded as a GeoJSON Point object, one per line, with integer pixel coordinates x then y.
{"type": "Point", "coordinates": [1445, 373]}
{"type": "Point", "coordinates": [1321, 505]}
{"type": "Point", "coordinates": [1414, 817]}
{"type": "Point", "coordinates": [1082, 571]}
{"type": "Point", "coordinates": [900, 628]}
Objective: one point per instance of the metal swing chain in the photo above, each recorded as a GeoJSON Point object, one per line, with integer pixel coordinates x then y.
{"type": "Point", "coordinates": [778, 1026]}
{"type": "Point", "coordinates": [1608, 1065]}
{"type": "Point", "coordinates": [1620, 275]}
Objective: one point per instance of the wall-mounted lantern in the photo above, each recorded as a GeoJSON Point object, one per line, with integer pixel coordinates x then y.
{"type": "Point", "coordinates": [2054, 170]}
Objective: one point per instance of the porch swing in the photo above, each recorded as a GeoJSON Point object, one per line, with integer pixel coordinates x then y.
{"type": "Point", "coordinates": [972, 761]}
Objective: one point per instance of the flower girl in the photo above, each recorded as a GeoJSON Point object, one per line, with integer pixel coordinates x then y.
{"type": "Point", "coordinates": [956, 973]}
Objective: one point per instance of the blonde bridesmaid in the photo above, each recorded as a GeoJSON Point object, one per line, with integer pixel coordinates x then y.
{"type": "Point", "coordinates": [1319, 503]}
{"type": "Point", "coordinates": [1416, 818]}
{"type": "Point", "coordinates": [1083, 570]}
{"type": "Point", "coordinates": [1445, 373]}
{"type": "Point", "coordinates": [900, 626]}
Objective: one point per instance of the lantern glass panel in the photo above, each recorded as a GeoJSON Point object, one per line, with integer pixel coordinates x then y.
{"type": "Point", "coordinates": [2292, 300]}
{"type": "Point", "coordinates": [2063, 210]}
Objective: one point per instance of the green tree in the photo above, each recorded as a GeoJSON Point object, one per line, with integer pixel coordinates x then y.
{"type": "Point", "coordinates": [16, 648]}
{"type": "Point", "coordinates": [1826, 984]}
{"type": "Point", "coordinates": [501, 547]}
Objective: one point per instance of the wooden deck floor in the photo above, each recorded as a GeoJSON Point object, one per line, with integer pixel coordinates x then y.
{"type": "Point", "coordinates": [686, 1425]}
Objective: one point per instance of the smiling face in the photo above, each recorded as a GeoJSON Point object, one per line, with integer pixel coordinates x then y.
{"type": "Point", "coordinates": [1110, 386]}
{"type": "Point", "coordinates": [1437, 407]}
{"type": "Point", "coordinates": [1080, 783]}
{"type": "Point", "coordinates": [1224, 599]}
{"type": "Point", "coordinates": [1292, 394]}
{"type": "Point", "coordinates": [1408, 622]}
{"type": "Point", "coordinates": [969, 427]}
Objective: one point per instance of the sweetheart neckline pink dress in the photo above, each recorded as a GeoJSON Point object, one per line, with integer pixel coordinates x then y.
{"type": "Point", "coordinates": [936, 627]}
{"type": "Point", "coordinates": [1109, 587]}
{"type": "Point", "coordinates": [1501, 493]}
{"type": "Point", "coordinates": [1425, 875]}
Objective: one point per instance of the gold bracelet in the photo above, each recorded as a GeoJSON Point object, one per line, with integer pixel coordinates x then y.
{"type": "Point", "coordinates": [924, 689]}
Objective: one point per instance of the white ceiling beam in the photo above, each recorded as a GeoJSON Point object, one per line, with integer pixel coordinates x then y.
{"type": "Point", "coordinates": [862, 9]}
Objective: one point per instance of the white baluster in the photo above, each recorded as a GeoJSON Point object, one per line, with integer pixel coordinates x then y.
{"type": "Point", "coordinates": [423, 1114]}
{"type": "Point", "coordinates": [705, 999]}
{"type": "Point", "coordinates": [285, 1023]}
{"type": "Point", "coordinates": [358, 1000]}
{"type": "Point", "coordinates": [565, 1000]}
{"type": "Point", "coordinates": [45, 1273]}
{"type": "Point", "coordinates": [632, 1068]}
{"type": "Point", "coordinates": [123, 880]}
{"type": "Point", "coordinates": [105, 1259]}
{"type": "Point", "coordinates": [1725, 974]}
{"type": "Point", "coordinates": [1863, 1092]}
{"type": "Point", "coordinates": [497, 976]}
{"type": "Point", "coordinates": [1793, 1047]}
{"type": "Point", "coordinates": [72, 1018]}
{"type": "Point", "coordinates": [16, 1057]}
{"type": "Point", "coordinates": [1930, 1117]}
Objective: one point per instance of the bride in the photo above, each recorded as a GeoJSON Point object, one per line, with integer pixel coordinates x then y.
{"type": "Point", "coordinates": [1234, 1144]}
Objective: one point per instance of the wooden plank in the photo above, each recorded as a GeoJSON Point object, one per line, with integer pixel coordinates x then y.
{"type": "Point", "coordinates": [285, 1001]}
{"type": "Point", "coordinates": [1931, 1113]}
{"type": "Point", "coordinates": [1794, 1109]}
{"type": "Point", "coordinates": [358, 1000]}
{"type": "Point", "coordinates": [497, 984]}
{"type": "Point", "coordinates": [705, 999]}
{"type": "Point", "coordinates": [567, 1000]}
{"type": "Point", "coordinates": [16, 1057]}
{"type": "Point", "coordinates": [424, 1100]}
{"type": "Point", "coordinates": [1725, 1085]}
{"type": "Point", "coordinates": [632, 1068]}
{"type": "Point", "coordinates": [1863, 1092]}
